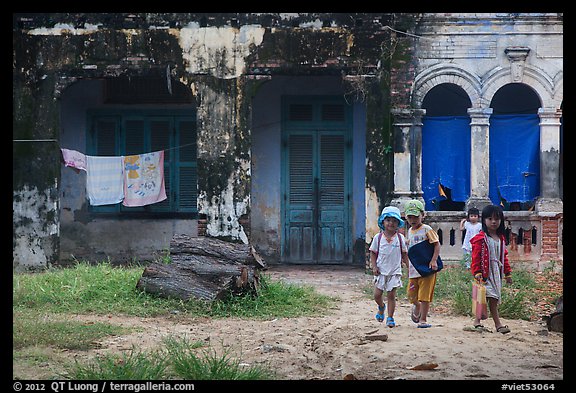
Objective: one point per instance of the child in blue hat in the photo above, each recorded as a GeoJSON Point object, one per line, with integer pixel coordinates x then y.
{"type": "Point", "coordinates": [387, 252]}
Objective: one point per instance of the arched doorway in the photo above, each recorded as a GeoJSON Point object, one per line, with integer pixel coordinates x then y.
{"type": "Point", "coordinates": [446, 148]}
{"type": "Point", "coordinates": [515, 147]}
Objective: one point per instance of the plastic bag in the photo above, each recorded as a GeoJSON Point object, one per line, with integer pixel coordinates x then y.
{"type": "Point", "coordinates": [479, 306]}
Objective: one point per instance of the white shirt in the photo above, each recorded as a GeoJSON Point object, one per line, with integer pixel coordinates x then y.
{"type": "Point", "coordinates": [471, 231]}
{"type": "Point", "coordinates": [389, 260]}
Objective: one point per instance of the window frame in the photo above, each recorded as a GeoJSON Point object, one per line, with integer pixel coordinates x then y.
{"type": "Point", "coordinates": [174, 163]}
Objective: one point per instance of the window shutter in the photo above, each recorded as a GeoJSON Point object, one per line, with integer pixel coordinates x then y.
{"type": "Point", "coordinates": [300, 112]}
{"type": "Point", "coordinates": [332, 169]}
{"type": "Point", "coordinates": [187, 173]}
{"type": "Point", "coordinates": [301, 169]}
{"type": "Point", "coordinates": [106, 137]}
{"type": "Point", "coordinates": [134, 137]}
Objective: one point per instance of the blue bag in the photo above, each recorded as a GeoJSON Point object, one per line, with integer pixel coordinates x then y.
{"type": "Point", "coordinates": [420, 255]}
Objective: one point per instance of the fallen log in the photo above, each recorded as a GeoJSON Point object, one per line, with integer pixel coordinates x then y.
{"type": "Point", "coordinates": [205, 269]}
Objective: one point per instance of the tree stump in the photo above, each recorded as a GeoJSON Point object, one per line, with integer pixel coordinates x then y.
{"type": "Point", "coordinates": [555, 321]}
{"type": "Point", "coordinates": [204, 268]}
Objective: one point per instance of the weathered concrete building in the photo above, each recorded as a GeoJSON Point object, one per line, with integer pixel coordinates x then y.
{"type": "Point", "coordinates": [287, 131]}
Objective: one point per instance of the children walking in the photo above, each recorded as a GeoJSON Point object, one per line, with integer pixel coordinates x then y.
{"type": "Point", "coordinates": [472, 225]}
{"type": "Point", "coordinates": [490, 262]}
{"type": "Point", "coordinates": [420, 289]}
{"type": "Point", "coordinates": [387, 252]}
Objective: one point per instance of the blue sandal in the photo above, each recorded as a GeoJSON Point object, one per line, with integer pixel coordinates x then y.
{"type": "Point", "coordinates": [380, 314]}
{"type": "Point", "coordinates": [390, 322]}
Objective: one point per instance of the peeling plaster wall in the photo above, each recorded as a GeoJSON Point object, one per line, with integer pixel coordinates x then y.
{"type": "Point", "coordinates": [218, 51]}
{"type": "Point", "coordinates": [224, 175]}
{"type": "Point", "coordinates": [34, 237]}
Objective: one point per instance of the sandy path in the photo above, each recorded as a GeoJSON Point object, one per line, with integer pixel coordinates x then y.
{"type": "Point", "coordinates": [334, 346]}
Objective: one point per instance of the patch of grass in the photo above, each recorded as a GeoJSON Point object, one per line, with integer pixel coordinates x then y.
{"type": "Point", "coordinates": [37, 329]}
{"type": "Point", "coordinates": [105, 289]}
{"type": "Point", "coordinates": [275, 299]}
{"type": "Point", "coordinates": [85, 289]}
{"type": "Point", "coordinates": [179, 359]}
{"type": "Point", "coordinates": [189, 363]}
{"type": "Point", "coordinates": [454, 287]}
{"type": "Point", "coordinates": [132, 365]}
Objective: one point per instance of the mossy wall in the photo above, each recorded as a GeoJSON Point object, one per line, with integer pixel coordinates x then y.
{"type": "Point", "coordinates": [51, 51]}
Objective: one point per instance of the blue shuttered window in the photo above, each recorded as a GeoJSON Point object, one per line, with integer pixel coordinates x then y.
{"type": "Point", "coordinates": [138, 132]}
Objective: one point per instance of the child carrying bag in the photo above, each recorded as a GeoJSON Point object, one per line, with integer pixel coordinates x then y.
{"type": "Point", "coordinates": [420, 255]}
{"type": "Point", "coordinates": [479, 306]}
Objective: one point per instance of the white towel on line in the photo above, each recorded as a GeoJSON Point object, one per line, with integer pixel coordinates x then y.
{"type": "Point", "coordinates": [104, 180]}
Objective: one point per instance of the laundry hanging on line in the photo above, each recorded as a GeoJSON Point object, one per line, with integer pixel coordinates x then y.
{"type": "Point", "coordinates": [104, 180]}
{"type": "Point", "coordinates": [74, 159]}
{"type": "Point", "coordinates": [135, 180]}
{"type": "Point", "coordinates": [144, 179]}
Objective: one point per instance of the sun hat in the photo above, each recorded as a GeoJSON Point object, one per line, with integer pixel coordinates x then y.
{"type": "Point", "coordinates": [413, 208]}
{"type": "Point", "coordinates": [390, 211]}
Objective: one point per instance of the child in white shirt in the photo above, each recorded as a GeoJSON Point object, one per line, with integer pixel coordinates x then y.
{"type": "Point", "coordinates": [387, 251]}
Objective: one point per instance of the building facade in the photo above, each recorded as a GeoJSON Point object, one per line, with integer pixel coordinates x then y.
{"type": "Point", "coordinates": [286, 131]}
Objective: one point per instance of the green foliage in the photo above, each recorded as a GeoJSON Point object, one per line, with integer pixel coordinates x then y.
{"type": "Point", "coordinates": [275, 299]}
{"type": "Point", "coordinates": [39, 299]}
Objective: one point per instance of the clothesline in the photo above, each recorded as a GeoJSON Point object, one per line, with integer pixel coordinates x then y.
{"type": "Point", "coordinates": [55, 140]}
{"type": "Point", "coordinates": [134, 180]}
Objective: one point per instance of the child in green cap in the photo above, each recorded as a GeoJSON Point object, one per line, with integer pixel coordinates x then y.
{"type": "Point", "coordinates": [420, 289]}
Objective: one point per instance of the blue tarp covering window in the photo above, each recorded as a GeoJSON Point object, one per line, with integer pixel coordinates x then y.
{"type": "Point", "coordinates": [445, 158]}
{"type": "Point", "coordinates": [514, 158]}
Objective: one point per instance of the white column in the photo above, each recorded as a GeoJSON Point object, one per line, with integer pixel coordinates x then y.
{"type": "Point", "coordinates": [549, 199]}
{"type": "Point", "coordinates": [407, 147]}
{"type": "Point", "coordinates": [479, 157]}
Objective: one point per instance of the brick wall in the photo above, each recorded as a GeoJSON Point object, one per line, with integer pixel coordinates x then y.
{"type": "Point", "coordinates": [551, 237]}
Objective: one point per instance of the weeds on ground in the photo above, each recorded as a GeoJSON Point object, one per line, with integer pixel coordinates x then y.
{"type": "Point", "coordinates": [179, 358]}
{"type": "Point", "coordinates": [453, 291]}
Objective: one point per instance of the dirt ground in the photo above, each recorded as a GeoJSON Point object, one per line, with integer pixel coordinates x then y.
{"type": "Point", "coordinates": [335, 346]}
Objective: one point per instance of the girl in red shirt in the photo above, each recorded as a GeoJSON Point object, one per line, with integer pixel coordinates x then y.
{"type": "Point", "coordinates": [490, 262]}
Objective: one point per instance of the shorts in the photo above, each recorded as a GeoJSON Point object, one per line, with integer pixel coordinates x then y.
{"type": "Point", "coordinates": [388, 282]}
{"type": "Point", "coordinates": [421, 289]}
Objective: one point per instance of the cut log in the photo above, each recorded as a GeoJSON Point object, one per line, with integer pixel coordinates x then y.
{"type": "Point", "coordinates": [207, 246]}
{"type": "Point", "coordinates": [205, 269]}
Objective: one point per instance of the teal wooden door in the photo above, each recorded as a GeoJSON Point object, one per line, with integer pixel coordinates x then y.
{"type": "Point", "coordinates": [316, 167]}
